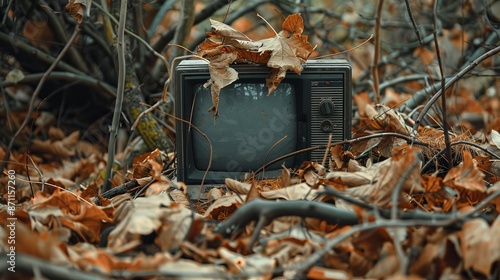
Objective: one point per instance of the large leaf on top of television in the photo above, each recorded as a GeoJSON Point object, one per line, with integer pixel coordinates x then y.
{"type": "Point", "coordinates": [289, 50]}
{"type": "Point", "coordinates": [221, 75]}
{"type": "Point", "coordinates": [232, 37]}
{"type": "Point", "coordinates": [286, 51]}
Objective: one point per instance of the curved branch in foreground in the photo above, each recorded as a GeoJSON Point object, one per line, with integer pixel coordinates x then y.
{"type": "Point", "coordinates": [265, 211]}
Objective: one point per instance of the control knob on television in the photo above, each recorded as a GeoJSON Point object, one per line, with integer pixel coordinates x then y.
{"type": "Point", "coordinates": [327, 126]}
{"type": "Point", "coordinates": [326, 107]}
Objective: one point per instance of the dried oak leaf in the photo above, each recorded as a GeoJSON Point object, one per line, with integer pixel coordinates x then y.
{"type": "Point", "coordinates": [289, 50]}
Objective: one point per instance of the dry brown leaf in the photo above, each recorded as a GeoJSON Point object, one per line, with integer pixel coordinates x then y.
{"type": "Point", "coordinates": [325, 274]}
{"type": "Point", "coordinates": [466, 176]}
{"type": "Point", "coordinates": [337, 155]}
{"type": "Point", "coordinates": [295, 192]}
{"type": "Point", "coordinates": [232, 37]}
{"type": "Point", "coordinates": [432, 183]}
{"type": "Point", "coordinates": [439, 248]}
{"type": "Point", "coordinates": [387, 265]}
{"type": "Point", "coordinates": [289, 250]}
{"type": "Point", "coordinates": [176, 225]}
{"type": "Point", "coordinates": [56, 134]}
{"type": "Point", "coordinates": [147, 165]}
{"type": "Point", "coordinates": [88, 258]}
{"type": "Point", "coordinates": [237, 186]}
{"type": "Point", "coordinates": [289, 50]}
{"type": "Point", "coordinates": [285, 177]}
{"type": "Point", "coordinates": [223, 207]}
{"type": "Point", "coordinates": [78, 8]}
{"type": "Point", "coordinates": [83, 218]}
{"type": "Point", "coordinates": [37, 30]}
{"type": "Point", "coordinates": [62, 149]}
{"type": "Point", "coordinates": [425, 55]}
{"type": "Point", "coordinates": [390, 176]}
{"type": "Point", "coordinates": [46, 245]}
{"type": "Point", "coordinates": [187, 267]}
{"type": "Point", "coordinates": [253, 193]}
{"type": "Point", "coordinates": [481, 245]}
{"type": "Point", "coordinates": [150, 214]}
{"type": "Point", "coordinates": [357, 174]}
{"type": "Point", "coordinates": [221, 75]}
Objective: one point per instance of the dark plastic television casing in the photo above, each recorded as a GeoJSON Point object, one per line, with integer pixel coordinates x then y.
{"type": "Point", "coordinates": [324, 107]}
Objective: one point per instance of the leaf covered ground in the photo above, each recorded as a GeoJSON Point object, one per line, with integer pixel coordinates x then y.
{"type": "Point", "coordinates": [389, 206]}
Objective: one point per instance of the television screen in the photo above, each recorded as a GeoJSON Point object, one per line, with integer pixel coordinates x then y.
{"type": "Point", "coordinates": [252, 128]}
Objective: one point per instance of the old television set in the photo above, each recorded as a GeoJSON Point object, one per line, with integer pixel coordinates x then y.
{"type": "Point", "coordinates": [252, 128]}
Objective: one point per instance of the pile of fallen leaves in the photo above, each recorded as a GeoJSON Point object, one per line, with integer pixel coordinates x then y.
{"type": "Point", "coordinates": [64, 225]}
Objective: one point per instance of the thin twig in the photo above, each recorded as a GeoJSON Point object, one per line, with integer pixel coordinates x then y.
{"type": "Point", "coordinates": [165, 91]}
{"type": "Point", "coordinates": [166, 36]}
{"type": "Point", "coordinates": [209, 144]}
{"type": "Point", "coordinates": [68, 77]}
{"type": "Point", "coordinates": [443, 85]}
{"type": "Point", "coordinates": [346, 51]}
{"type": "Point", "coordinates": [23, 49]}
{"type": "Point", "coordinates": [429, 162]}
{"type": "Point", "coordinates": [394, 212]}
{"type": "Point", "coordinates": [60, 35]}
{"type": "Point", "coordinates": [54, 186]}
{"type": "Point", "coordinates": [269, 151]}
{"type": "Point", "coordinates": [415, 28]}
{"type": "Point", "coordinates": [327, 150]}
{"type": "Point", "coordinates": [350, 141]}
{"type": "Point", "coordinates": [135, 36]}
{"type": "Point", "coordinates": [184, 24]}
{"type": "Point", "coordinates": [376, 55]}
{"type": "Point", "coordinates": [35, 94]}
{"type": "Point", "coordinates": [449, 83]}
{"type": "Point", "coordinates": [113, 133]}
